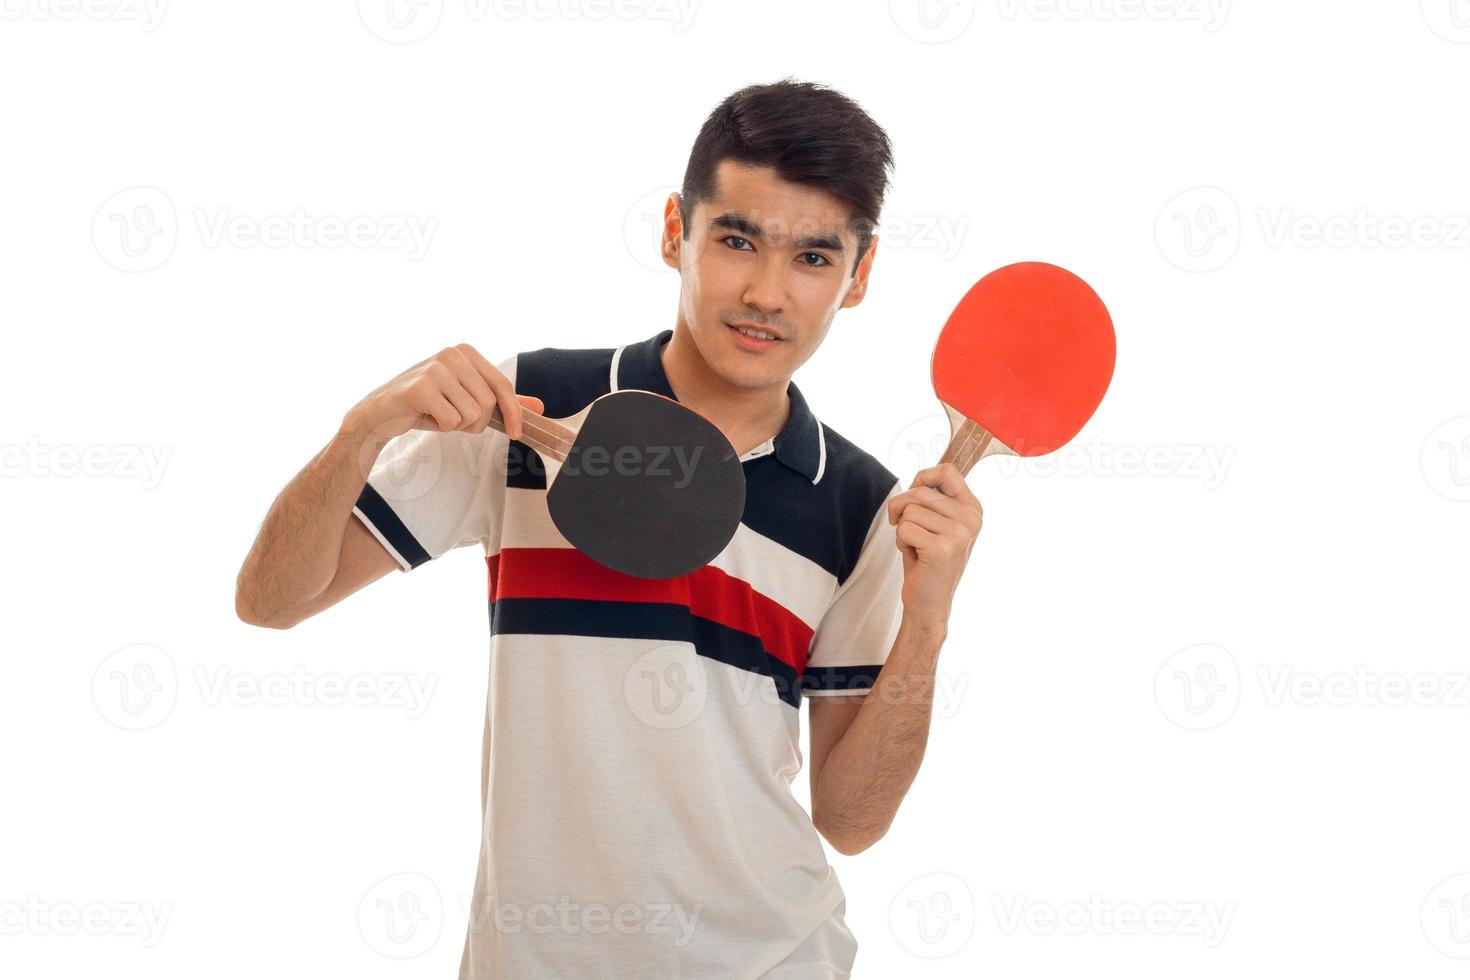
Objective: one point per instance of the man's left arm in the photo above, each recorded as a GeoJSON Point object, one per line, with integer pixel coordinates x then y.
{"type": "Point", "coordinates": [866, 748]}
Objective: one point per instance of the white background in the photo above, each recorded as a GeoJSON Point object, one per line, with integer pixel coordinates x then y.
{"type": "Point", "coordinates": [1207, 672]}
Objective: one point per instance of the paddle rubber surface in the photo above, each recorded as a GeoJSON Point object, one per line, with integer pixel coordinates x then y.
{"type": "Point", "coordinates": [649, 488]}
{"type": "Point", "coordinates": [1027, 354]}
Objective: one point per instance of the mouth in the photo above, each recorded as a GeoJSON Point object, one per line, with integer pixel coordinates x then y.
{"type": "Point", "coordinates": [752, 337]}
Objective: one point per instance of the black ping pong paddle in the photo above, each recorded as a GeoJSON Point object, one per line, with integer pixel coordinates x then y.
{"type": "Point", "coordinates": [638, 482]}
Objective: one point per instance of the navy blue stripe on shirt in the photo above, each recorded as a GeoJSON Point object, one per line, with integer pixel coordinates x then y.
{"type": "Point", "coordinates": [645, 620]}
{"type": "Point", "coordinates": [857, 678]}
{"type": "Point", "coordinates": [377, 511]}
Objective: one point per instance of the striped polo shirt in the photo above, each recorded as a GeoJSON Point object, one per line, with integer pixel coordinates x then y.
{"type": "Point", "coordinates": [642, 736]}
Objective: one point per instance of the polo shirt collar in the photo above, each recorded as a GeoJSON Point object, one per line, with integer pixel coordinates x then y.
{"type": "Point", "coordinates": [800, 444]}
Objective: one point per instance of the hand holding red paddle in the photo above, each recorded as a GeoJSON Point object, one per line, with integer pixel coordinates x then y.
{"type": "Point", "coordinates": [1020, 366]}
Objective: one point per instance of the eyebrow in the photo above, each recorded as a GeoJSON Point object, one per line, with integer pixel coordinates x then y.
{"type": "Point", "coordinates": [745, 226]}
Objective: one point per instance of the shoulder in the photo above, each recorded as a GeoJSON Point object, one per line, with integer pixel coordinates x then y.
{"type": "Point", "coordinates": [565, 379]}
{"type": "Point", "coordinates": [852, 470]}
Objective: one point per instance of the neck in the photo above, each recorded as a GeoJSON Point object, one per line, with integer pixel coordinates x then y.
{"type": "Point", "coordinates": [747, 416]}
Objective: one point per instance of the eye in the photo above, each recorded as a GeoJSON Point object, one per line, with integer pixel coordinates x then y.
{"type": "Point", "coordinates": [736, 238]}
{"type": "Point", "coordinates": [818, 255]}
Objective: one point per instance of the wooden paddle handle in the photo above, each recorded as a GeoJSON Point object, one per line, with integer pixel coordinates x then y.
{"type": "Point", "coordinates": [548, 437]}
{"type": "Point", "coordinates": [966, 446]}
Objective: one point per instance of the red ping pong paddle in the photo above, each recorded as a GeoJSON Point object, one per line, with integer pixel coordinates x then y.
{"type": "Point", "coordinates": [1022, 363]}
{"type": "Point", "coordinates": [638, 482]}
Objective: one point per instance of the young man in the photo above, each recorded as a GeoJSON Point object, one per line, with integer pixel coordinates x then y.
{"type": "Point", "coordinates": [641, 736]}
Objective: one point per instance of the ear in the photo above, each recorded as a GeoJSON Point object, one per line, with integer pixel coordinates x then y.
{"type": "Point", "coordinates": [673, 235]}
{"type": "Point", "coordinates": [859, 287]}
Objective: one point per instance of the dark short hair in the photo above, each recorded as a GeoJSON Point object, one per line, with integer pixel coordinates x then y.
{"type": "Point", "coordinates": [810, 134]}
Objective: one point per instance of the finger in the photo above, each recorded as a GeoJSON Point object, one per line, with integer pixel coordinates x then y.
{"type": "Point", "coordinates": [531, 404]}
{"type": "Point", "coordinates": [440, 412]}
{"type": "Point", "coordinates": [930, 520]}
{"type": "Point", "coordinates": [474, 382]}
{"type": "Point", "coordinates": [945, 477]}
{"type": "Point", "coordinates": [928, 495]}
{"type": "Point", "coordinates": [464, 403]}
{"type": "Point", "coordinates": [505, 391]}
{"type": "Point", "coordinates": [965, 512]}
{"type": "Point", "coordinates": [911, 535]}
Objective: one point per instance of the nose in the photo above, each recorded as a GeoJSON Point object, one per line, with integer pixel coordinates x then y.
{"type": "Point", "coordinates": [766, 290]}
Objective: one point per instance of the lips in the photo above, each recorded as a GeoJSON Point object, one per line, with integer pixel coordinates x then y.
{"type": "Point", "coordinates": [750, 326]}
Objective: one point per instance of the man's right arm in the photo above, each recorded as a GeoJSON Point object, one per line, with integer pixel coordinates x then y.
{"type": "Point", "coordinates": [311, 551]}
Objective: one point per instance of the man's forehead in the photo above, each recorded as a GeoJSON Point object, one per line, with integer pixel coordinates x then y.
{"type": "Point", "coordinates": [762, 204]}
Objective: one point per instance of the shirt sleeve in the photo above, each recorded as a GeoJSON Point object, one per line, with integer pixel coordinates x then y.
{"type": "Point", "coordinates": [858, 629]}
{"type": "Point", "coordinates": [430, 492]}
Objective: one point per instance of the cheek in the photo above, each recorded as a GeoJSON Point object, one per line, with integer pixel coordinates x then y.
{"type": "Point", "coordinates": [817, 298]}
{"type": "Point", "coordinates": [705, 272]}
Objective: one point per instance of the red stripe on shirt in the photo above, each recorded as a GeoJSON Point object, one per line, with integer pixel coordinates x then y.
{"type": "Point", "coordinates": [709, 592]}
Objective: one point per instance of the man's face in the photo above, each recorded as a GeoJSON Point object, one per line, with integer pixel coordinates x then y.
{"type": "Point", "coordinates": [768, 254]}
